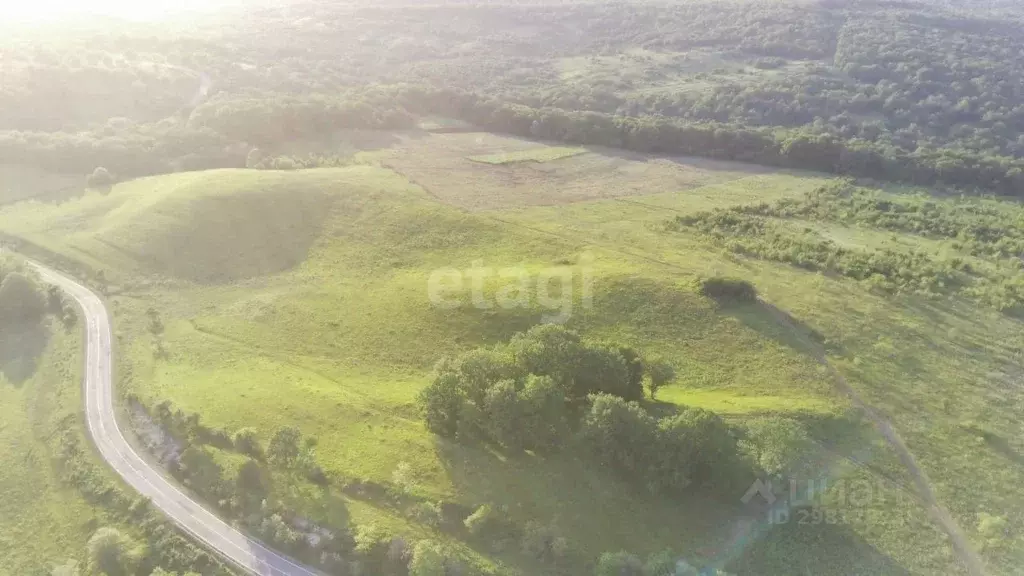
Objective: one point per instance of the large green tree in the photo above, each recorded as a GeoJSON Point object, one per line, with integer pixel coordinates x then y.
{"type": "Point", "coordinates": [113, 553]}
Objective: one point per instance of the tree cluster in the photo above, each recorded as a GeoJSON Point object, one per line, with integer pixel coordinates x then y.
{"type": "Point", "coordinates": [520, 394]}
{"type": "Point", "coordinates": [693, 447]}
{"type": "Point", "coordinates": [546, 388]}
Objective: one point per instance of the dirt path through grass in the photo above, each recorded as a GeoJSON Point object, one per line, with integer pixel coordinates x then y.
{"type": "Point", "coordinates": [961, 545]}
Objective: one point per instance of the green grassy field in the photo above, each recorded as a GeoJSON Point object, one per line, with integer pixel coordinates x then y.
{"type": "Point", "coordinates": [301, 298]}
{"type": "Point", "coordinates": [43, 521]}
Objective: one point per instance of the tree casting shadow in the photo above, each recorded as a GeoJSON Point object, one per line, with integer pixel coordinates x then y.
{"type": "Point", "coordinates": [20, 349]}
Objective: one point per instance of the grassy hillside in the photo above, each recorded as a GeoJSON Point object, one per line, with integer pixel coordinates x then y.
{"type": "Point", "coordinates": [302, 298]}
{"type": "Point", "coordinates": [42, 521]}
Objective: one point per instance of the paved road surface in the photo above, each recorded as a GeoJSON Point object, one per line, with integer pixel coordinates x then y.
{"type": "Point", "coordinates": [242, 551]}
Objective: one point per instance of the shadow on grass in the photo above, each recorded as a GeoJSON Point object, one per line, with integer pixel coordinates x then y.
{"type": "Point", "coordinates": [997, 443]}
{"type": "Point", "coordinates": [1003, 447]}
{"type": "Point", "coordinates": [776, 324]}
{"type": "Point", "coordinates": [20, 349]}
{"type": "Point", "coordinates": [802, 546]}
{"type": "Point", "coordinates": [685, 161]}
{"type": "Point", "coordinates": [594, 510]}
{"type": "Point", "coordinates": [964, 327]}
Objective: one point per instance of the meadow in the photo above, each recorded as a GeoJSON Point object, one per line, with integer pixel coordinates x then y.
{"type": "Point", "coordinates": [543, 154]}
{"type": "Point", "coordinates": [301, 298]}
{"type": "Point", "coordinates": [45, 522]}
{"type": "Point", "coordinates": [40, 519]}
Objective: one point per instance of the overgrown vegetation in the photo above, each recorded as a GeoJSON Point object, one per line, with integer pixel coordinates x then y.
{"type": "Point", "coordinates": [728, 289]}
{"type": "Point", "coordinates": [244, 490]}
{"type": "Point", "coordinates": [765, 231]}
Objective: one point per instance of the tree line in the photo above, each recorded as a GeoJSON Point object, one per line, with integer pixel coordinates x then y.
{"type": "Point", "coordinates": [788, 149]}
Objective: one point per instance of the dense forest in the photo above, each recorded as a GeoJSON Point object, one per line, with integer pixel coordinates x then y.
{"type": "Point", "coordinates": [916, 92]}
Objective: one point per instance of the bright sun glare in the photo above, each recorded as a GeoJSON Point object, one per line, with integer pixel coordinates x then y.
{"type": "Point", "coordinates": [46, 10]}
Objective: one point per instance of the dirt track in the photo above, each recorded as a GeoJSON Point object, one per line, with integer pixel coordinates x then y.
{"type": "Point", "coordinates": [970, 559]}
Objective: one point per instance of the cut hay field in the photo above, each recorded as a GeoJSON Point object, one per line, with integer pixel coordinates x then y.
{"type": "Point", "coordinates": [302, 298]}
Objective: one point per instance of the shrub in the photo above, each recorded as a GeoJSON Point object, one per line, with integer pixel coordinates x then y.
{"type": "Point", "coordinates": [710, 441]}
{"type": "Point", "coordinates": [659, 373]}
{"type": "Point", "coordinates": [542, 542]}
{"type": "Point", "coordinates": [285, 163]}
{"type": "Point", "coordinates": [427, 513]}
{"type": "Point", "coordinates": [372, 546]}
{"type": "Point", "coordinates": [694, 446]}
{"type": "Point", "coordinates": [728, 289]}
{"type": "Point", "coordinates": [284, 446]}
{"type": "Point", "coordinates": [660, 564]}
{"type": "Point", "coordinates": [993, 531]}
{"type": "Point", "coordinates": [402, 477]}
{"type": "Point", "coordinates": [483, 521]}
{"type": "Point", "coordinates": [545, 423]}
{"type": "Point", "coordinates": [200, 471]}
{"type": "Point", "coordinates": [252, 483]}
{"type": "Point", "coordinates": [603, 370]}
{"type": "Point", "coordinates": [619, 564]}
{"type": "Point", "coordinates": [428, 559]}
{"type": "Point", "coordinates": [547, 350]}
{"type": "Point", "coordinates": [113, 553]}
{"type": "Point", "coordinates": [778, 445]}
{"type": "Point", "coordinates": [247, 442]}
{"type": "Point", "coordinates": [440, 404]}
{"type": "Point", "coordinates": [280, 535]}
{"type": "Point", "coordinates": [504, 411]}
{"type": "Point", "coordinates": [619, 434]}
{"type": "Point", "coordinates": [100, 178]}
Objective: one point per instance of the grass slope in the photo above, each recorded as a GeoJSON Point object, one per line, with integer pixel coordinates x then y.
{"type": "Point", "coordinates": [43, 522]}
{"type": "Point", "coordinates": [340, 341]}
{"type": "Point", "coordinates": [929, 365]}
{"type": "Point", "coordinates": [204, 227]}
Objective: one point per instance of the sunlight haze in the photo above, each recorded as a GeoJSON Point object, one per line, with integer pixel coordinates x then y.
{"type": "Point", "coordinates": [511, 287]}
{"type": "Point", "coordinates": [49, 10]}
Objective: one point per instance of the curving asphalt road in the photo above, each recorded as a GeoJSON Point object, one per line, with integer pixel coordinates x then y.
{"type": "Point", "coordinates": [244, 552]}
